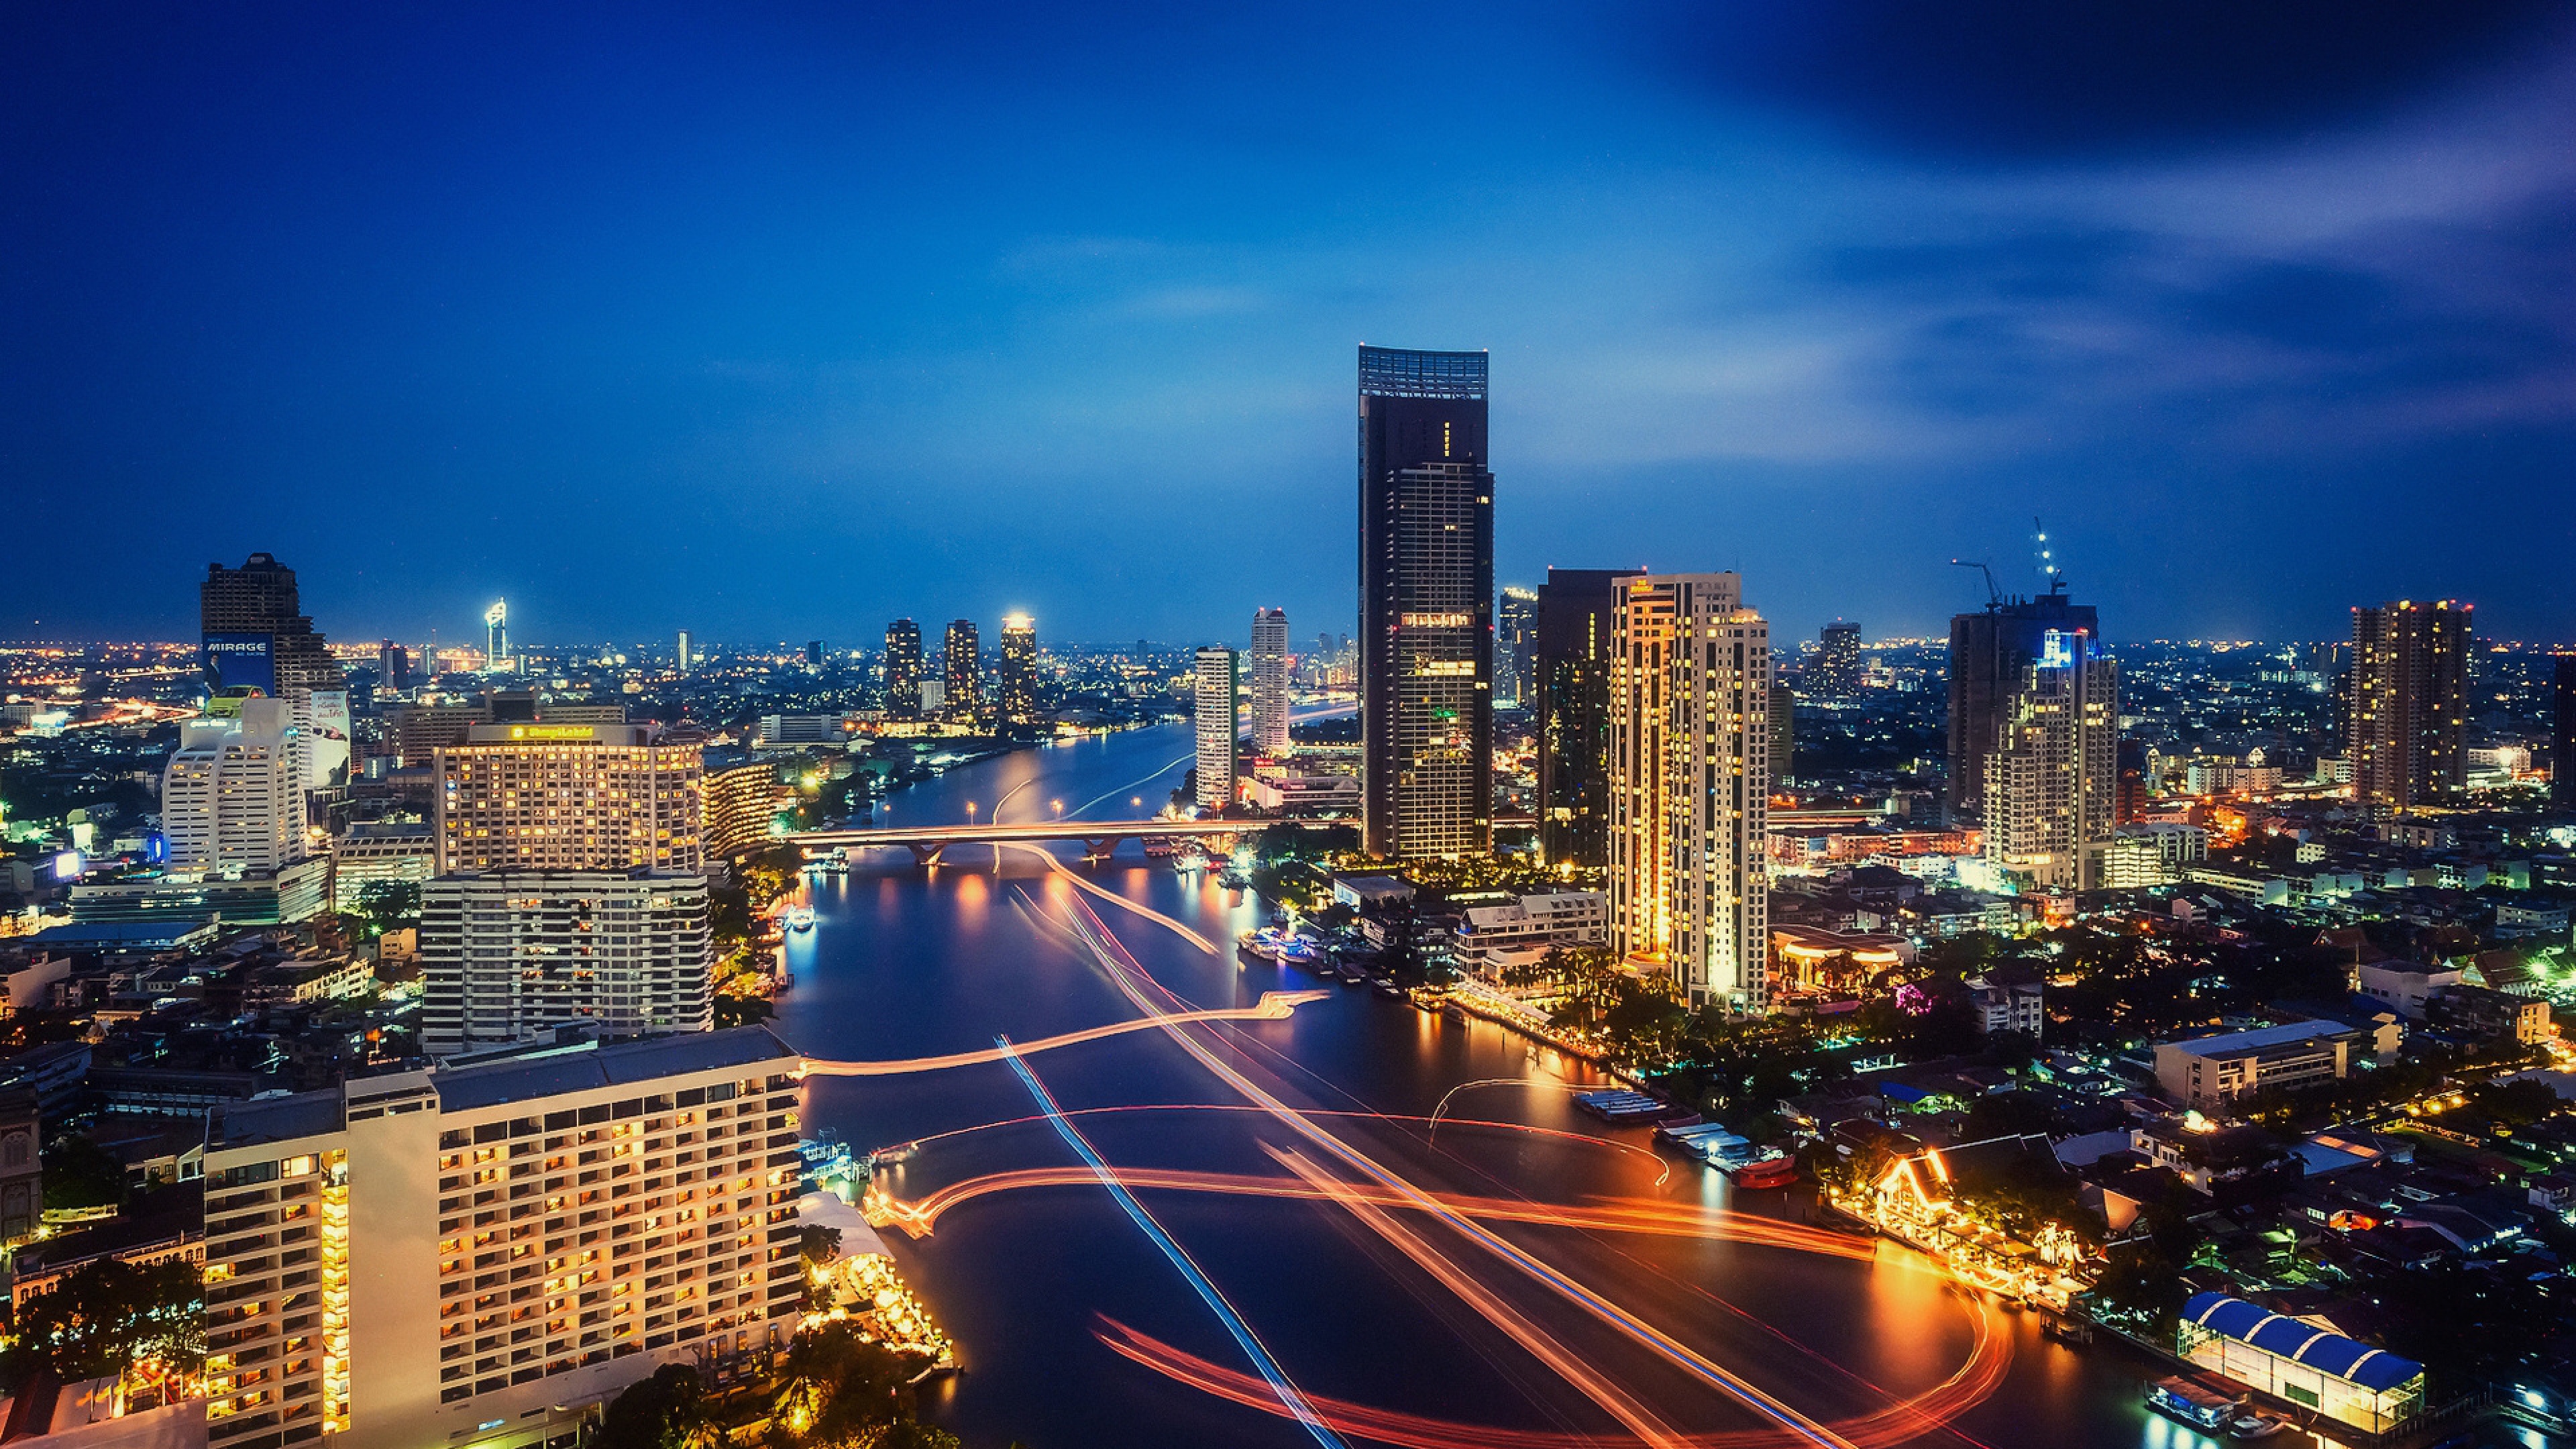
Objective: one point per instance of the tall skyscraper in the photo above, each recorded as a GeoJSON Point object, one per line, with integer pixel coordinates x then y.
{"type": "Point", "coordinates": [569, 797]}
{"type": "Point", "coordinates": [1690, 764]}
{"type": "Point", "coordinates": [496, 636]}
{"type": "Point", "coordinates": [1217, 726]}
{"type": "Point", "coordinates": [903, 668]}
{"type": "Point", "coordinates": [1270, 682]}
{"type": "Point", "coordinates": [1989, 653]}
{"type": "Point", "coordinates": [1784, 731]}
{"type": "Point", "coordinates": [507, 955]}
{"type": "Point", "coordinates": [2052, 776]}
{"type": "Point", "coordinates": [2409, 707]}
{"type": "Point", "coordinates": [1570, 693]}
{"type": "Point", "coordinates": [393, 666]}
{"type": "Point", "coordinates": [232, 795]}
{"type": "Point", "coordinates": [255, 633]}
{"type": "Point", "coordinates": [962, 657]}
{"type": "Point", "coordinates": [684, 651]}
{"type": "Point", "coordinates": [1515, 646]}
{"type": "Point", "coordinates": [814, 653]}
{"type": "Point", "coordinates": [1837, 673]}
{"type": "Point", "coordinates": [1426, 604]}
{"type": "Point", "coordinates": [1019, 669]}
{"type": "Point", "coordinates": [531, 1236]}
{"type": "Point", "coordinates": [2562, 737]}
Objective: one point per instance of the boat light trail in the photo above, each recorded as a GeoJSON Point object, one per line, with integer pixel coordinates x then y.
{"type": "Point", "coordinates": [1569, 1365]}
{"type": "Point", "coordinates": [1288, 1394]}
{"type": "Point", "coordinates": [1273, 1006]}
{"type": "Point", "coordinates": [1148, 912]}
{"type": "Point", "coordinates": [1125, 973]}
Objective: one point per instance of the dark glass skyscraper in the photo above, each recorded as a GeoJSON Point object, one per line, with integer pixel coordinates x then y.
{"type": "Point", "coordinates": [964, 658]}
{"type": "Point", "coordinates": [903, 668]}
{"type": "Point", "coordinates": [2562, 737]}
{"type": "Point", "coordinates": [1426, 604]}
{"type": "Point", "coordinates": [256, 632]}
{"type": "Point", "coordinates": [1988, 654]}
{"type": "Point", "coordinates": [1569, 699]}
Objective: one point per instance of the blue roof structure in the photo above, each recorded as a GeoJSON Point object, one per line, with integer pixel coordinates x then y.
{"type": "Point", "coordinates": [2306, 1344]}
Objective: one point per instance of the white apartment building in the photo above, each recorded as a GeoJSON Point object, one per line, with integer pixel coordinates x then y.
{"type": "Point", "coordinates": [2212, 1071]}
{"type": "Point", "coordinates": [1690, 760]}
{"type": "Point", "coordinates": [1270, 683]}
{"type": "Point", "coordinates": [232, 796]}
{"type": "Point", "coordinates": [478, 1257]}
{"type": "Point", "coordinates": [1491, 938]}
{"type": "Point", "coordinates": [506, 955]}
{"type": "Point", "coordinates": [372, 853]}
{"type": "Point", "coordinates": [1217, 726]}
{"type": "Point", "coordinates": [569, 797]}
{"type": "Point", "coordinates": [2053, 776]}
{"type": "Point", "coordinates": [2155, 853]}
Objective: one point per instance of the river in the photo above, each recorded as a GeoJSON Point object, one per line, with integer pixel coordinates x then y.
{"type": "Point", "coordinates": [1495, 1331]}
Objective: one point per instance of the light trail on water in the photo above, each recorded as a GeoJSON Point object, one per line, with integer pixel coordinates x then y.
{"type": "Point", "coordinates": [1273, 1006]}
{"type": "Point", "coordinates": [1287, 1394]}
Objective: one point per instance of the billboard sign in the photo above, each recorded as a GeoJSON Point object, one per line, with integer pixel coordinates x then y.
{"type": "Point", "coordinates": [237, 661]}
{"type": "Point", "coordinates": [326, 747]}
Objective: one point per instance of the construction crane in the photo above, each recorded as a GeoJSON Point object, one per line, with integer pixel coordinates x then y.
{"type": "Point", "coordinates": [2047, 559]}
{"type": "Point", "coordinates": [1994, 595]}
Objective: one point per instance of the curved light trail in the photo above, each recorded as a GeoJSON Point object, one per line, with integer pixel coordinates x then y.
{"type": "Point", "coordinates": [1273, 1006]}
{"type": "Point", "coordinates": [1148, 912]}
{"type": "Point", "coordinates": [1124, 971]}
{"type": "Point", "coordinates": [1499, 1082]}
{"type": "Point", "coordinates": [1284, 1393]}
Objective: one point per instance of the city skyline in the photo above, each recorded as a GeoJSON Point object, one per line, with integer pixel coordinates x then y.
{"type": "Point", "coordinates": [2302, 289]}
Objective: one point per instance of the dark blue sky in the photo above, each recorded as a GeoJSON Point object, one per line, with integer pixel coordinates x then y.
{"type": "Point", "coordinates": [773, 322]}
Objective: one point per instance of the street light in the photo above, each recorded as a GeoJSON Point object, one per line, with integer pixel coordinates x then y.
{"type": "Point", "coordinates": [970, 812]}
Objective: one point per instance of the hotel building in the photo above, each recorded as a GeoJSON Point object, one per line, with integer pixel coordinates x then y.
{"type": "Point", "coordinates": [507, 954]}
{"type": "Point", "coordinates": [478, 1257]}
{"type": "Point", "coordinates": [1217, 725]}
{"type": "Point", "coordinates": [569, 797]}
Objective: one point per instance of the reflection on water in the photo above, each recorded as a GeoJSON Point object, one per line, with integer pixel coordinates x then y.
{"type": "Point", "coordinates": [904, 962]}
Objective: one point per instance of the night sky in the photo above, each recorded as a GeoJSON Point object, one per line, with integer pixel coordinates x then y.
{"type": "Point", "coordinates": [773, 322]}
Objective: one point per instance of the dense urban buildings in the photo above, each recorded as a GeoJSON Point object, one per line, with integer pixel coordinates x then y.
{"type": "Point", "coordinates": [1216, 726]}
{"type": "Point", "coordinates": [1990, 652]}
{"type": "Point", "coordinates": [1689, 780]}
{"type": "Point", "coordinates": [509, 954]}
{"type": "Point", "coordinates": [2409, 705]}
{"type": "Point", "coordinates": [1019, 669]}
{"type": "Point", "coordinates": [569, 797]}
{"type": "Point", "coordinates": [903, 668]}
{"type": "Point", "coordinates": [961, 660]}
{"type": "Point", "coordinates": [489, 1251]}
{"type": "Point", "coordinates": [1270, 683]}
{"type": "Point", "coordinates": [1569, 697]}
{"type": "Point", "coordinates": [2052, 773]}
{"type": "Point", "coordinates": [1426, 604]}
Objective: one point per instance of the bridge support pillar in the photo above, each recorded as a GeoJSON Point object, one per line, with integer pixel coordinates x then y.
{"type": "Point", "coordinates": [1097, 850]}
{"type": "Point", "coordinates": [926, 852]}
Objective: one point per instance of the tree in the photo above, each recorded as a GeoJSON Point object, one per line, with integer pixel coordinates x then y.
{"type": "Point", "coordinates": [669, 1410]}
{"type": "Point", "coordinates": [107, 1316]}
{"type": "Point", "coordinates": [79, 1173]}
{"type": "Point", "coordinates": [837, 1388]}
{"type": "Point", "coordinates": [389, 905]}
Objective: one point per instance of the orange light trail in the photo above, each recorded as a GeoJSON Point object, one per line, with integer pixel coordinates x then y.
{"type": "Point", "coordinates": [1273, 1006]}
{"type": "Point", "coordinates": [1149, 913]}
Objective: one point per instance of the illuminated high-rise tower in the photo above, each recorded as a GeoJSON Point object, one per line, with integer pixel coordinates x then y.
{"type": "Point", "coordinates": [2410, 683]}
{"type": "Point", "coordinates": [1426, 604]}
{"type": "Point", "coordinates": [903, 668]}
{"type": "Point", "coordinates": [1270, 682]}
{"type": "Point", "coordinates": [255, 632]}
{"type": "Point", "coordinates": [962, 657]}
{"type": "Point", "coordinates": [1989, 655]}
{"type": "Point", "coordinates": [496, 636]}
{"type": "Point", "coordinates": [1019, 669]}
{"type": "Point", "coordinates": [1216, 725]}
{"type": "Point", "coordinates": [1516, 646]}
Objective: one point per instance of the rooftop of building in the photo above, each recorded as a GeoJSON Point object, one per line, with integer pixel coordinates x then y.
{"type": "Point", "coordinates": [2302, 1342]}
{"type": "Point", "coordinates": [2259, 1038]}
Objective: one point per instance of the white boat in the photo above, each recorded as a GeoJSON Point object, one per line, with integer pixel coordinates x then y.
{"type": "Point", "coordinates": [800, 918]}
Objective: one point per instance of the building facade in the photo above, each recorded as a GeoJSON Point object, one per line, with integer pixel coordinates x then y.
{"type": "Point", "coordinates": [479, 1257]}
{"type": "Point", "coordinates": [1019, 669]}
{"type": "Point", "coordinates": [1836, 673]}
{"type": "Point", "coordinates": [1570, 665]}
{"type": "Point", "coordinates": [1689, 774]}
{"type": "Point", "coordinates": [1989, 654]}
{"type": "Point", "coordinates": [903, 668]}
{"type": "Point", "coordinates": [569, 797]}
{"type": "Point", "coordinates": [232, 795]}
{"type": "Point", "coordinates": [1214, 719]}
{"type": "Point", "coordinates": [1515, 645]}
{"type": "Point", "coordinates": [506, 955]}
{"type": "Point", "coordinates": [961, 657]}
{"type": "Point", "coordinates": [2409, 707]}
{"type": "Point", "coordinates": [1426, 604]}
{"type": "Point", "coordinates": [261, 599]}
{"type": "Point", "coordinates": [1270, 682]}
{"type": "Point", "coordinates": [743, 803]}
{"type": "Point", "coordinates": [2052, 777]}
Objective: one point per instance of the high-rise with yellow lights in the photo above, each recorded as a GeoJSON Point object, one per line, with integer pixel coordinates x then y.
{"type": "Point", "coordinates": [2410, 685]}
{"type": "Point", "coordinates": [479, 1257]}
{"type": "Point", "coordinates": [1019, 669]}
{"type": "Point", "coordinates": [2052, 773]}
{"type": "Point", "coordinates": [569, 797]}
{"type": "Point", "coordinates": [1690, 757]}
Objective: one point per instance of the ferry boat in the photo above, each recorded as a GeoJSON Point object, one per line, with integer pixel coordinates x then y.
{"type": "Point", "coordinates": [838, 862]}
{"type": "Point", "coordinates": [800, 918]}
{"type": "Point", "coordinates": [2192, 1404]}
{"type": "Point", "coordinates": [1778, 1169]}
{"type": "Point", "coordinates": [1189, 859]}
